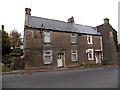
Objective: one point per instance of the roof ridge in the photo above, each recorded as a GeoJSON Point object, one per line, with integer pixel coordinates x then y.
{"type": "Point", "coordinates": [84, 25]}
{"type": "Point", "coordinates": [49, 19]}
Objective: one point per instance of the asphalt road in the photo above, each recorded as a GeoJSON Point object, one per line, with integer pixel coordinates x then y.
{"type": "Point", "coordinates": [100, 77]}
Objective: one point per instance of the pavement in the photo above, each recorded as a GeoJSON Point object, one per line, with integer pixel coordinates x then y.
{"type": "Point", "coordinates": [24, 72]}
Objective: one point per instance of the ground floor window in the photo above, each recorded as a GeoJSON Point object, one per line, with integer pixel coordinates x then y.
{"type": "Point", "coordinates": [90, 54]}
{"type": "Point", "coordinates": [47, 57]}
{"type": "Point", "coordinates": [74, 55]}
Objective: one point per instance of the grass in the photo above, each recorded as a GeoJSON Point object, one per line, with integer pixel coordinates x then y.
{"type": "Point", "coordinates": [6, 69]}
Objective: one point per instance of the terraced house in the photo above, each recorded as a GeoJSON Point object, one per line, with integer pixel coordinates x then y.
{"type": "Point", "coordinates": [52, 43]}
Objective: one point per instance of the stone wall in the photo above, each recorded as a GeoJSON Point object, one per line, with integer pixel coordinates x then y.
{"type": "Point", "coordinates": [109, 49]}
{"type": "Point", "coordinates": [18, 63]}
{"type": "Point", "coordinates": [60, 42]}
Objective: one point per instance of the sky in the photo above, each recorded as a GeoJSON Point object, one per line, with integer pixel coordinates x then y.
{"type": "Point", "coordinates": [85, 12]}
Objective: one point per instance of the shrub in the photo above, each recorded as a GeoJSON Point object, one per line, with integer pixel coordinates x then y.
{"type": "Point", "coordinates": [7, 60]}
{"type": "Point", "coordinates": [6, 69]}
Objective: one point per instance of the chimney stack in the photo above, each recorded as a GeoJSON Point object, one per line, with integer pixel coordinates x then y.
{"type": "Point", "coordinates": [106, 21]}
{"type": "Point", "coordinates": [2, 27]}
{"type": "Point", "coordinates": [27, 11]}
{"type": "Point", "coordinates": [71, 20]}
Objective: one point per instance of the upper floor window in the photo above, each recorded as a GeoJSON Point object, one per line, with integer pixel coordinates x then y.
{"type": "Point", "coordinates": [73, 38]}
{"type": "Point", "coordinates": [47, 57]}
{"type": "Point", "coordinates": [47, 37]}
{"type": "Point", "coordinates": [74, 55]}
{"type": "Point", "coordinates": [89, 39]}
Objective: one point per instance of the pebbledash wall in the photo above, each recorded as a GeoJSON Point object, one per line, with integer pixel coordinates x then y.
{"type": "Point", "coordinates": [52, 44]}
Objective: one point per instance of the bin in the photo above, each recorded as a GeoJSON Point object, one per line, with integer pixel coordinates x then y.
{"type": "Point", "coordinates": [105, 61]}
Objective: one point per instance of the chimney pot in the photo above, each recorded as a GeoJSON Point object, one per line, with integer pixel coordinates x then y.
{"type": "Point", "coordinates": [71, 20]}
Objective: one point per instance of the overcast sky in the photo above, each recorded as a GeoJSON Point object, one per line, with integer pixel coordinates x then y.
{"type": "Point", "coordinates": [85, 12]}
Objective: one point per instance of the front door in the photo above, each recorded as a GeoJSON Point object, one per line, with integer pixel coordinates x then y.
{"type": "Point", "coordinates": [97, 57]}
{"type": "Point", "coordinates": [60, 59]}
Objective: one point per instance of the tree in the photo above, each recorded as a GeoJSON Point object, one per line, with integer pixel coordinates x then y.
{"type": "Point", "coordinates": [6, 45]}
{"type": "Point", "coordinates": [15, 39]}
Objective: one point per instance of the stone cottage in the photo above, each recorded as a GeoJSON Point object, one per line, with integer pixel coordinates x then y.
{"type": "Point", "coordinates": [52, 43]}
{"type": "Point", "coordinates": [109, 35]}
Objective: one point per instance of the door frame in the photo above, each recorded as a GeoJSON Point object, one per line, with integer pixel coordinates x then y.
{"type": "Point", "coordinates": [63, 59]}
{"type": "Point", "coordinates": [97, 56]}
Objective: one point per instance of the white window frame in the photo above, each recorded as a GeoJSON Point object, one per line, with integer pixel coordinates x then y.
{"type": "Point", "coordinates": [91, 39]}
{"type": "Point", "coordinates": [72, 52]}
{"type": "Point", "coordinates": [50, 51]}
{"type": "Point", "coordinates": [73, 36]}
{"type": "Point", "coordinates": [92, 54]}
{"type": "Point", "coordinates": [47, 34]}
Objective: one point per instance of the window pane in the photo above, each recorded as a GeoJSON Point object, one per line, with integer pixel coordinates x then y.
{"type": "Point", "coordinates": [90, 55]}
{"type": "Point", "coordinates": [47, 38]}
{"type": "Point", "coordinates": [89, 39]}
{"type": "Point", "coordinates": [73, 39]}
{"type": "Point", "coordinates": [74, 56]}
{"type": "Point", "coordinates": [47, 58]}
{"type": "Point", "coordinates": [47, 53]}
{"type": "Point", "coordinates": [47, 33]}
{"type": "Point", "coordinates": [74, 52]}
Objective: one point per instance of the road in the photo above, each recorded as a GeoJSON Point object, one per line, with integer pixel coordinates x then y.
{"type": "Point", "coordinates": [90, 77]}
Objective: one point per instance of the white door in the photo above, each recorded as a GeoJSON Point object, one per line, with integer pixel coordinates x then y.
{"type": "Point", "coordinates": [60, 59]}
{"type": "Point", "coordinates": [97, 57]}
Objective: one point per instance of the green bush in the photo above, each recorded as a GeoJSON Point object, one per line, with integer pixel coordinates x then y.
{"type": "Point", "coordinates": [6, 69]}
{"type": "Point", "coordinates": [7, 59]}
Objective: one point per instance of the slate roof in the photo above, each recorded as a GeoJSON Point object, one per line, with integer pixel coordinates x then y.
{"type": "Point", "coordinates": [38, 22]}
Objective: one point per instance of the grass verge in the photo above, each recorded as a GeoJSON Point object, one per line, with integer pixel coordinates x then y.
{"type": "Point", "coordinates": [6, 69]}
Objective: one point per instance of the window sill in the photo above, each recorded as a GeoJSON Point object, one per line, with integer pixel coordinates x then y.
{"type": "Point", "coordinates": [47, 43]}
{"type": "Point", "coordinates": [90, 43]}
{"type": "Point", "coordinates": [47, 63]}
{"type": "Point", "coordinates": [90, 59]}
{"type": "Point", "coordinates": [74, 43]}
{"type": "Point", "coordinates": [74, 60]}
